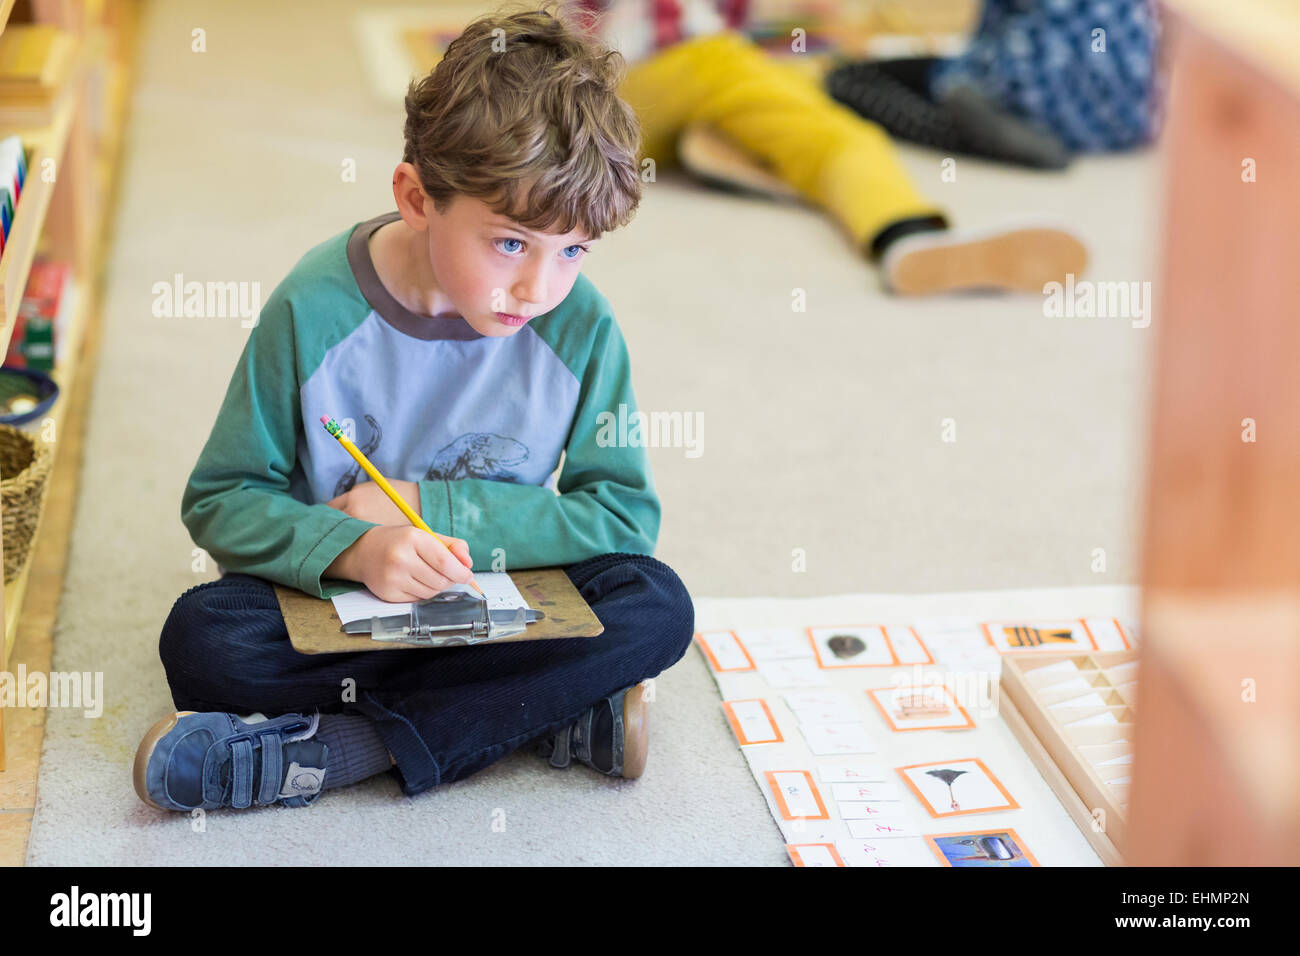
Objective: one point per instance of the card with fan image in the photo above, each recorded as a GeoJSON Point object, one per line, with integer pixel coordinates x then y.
{"type": "Point", "coordinates": [957, 787]}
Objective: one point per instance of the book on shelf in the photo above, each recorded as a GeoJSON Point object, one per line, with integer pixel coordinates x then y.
{"type": "Point", "coordinates": [40, 330]}
{"type": "Point", "coordinates": [36, 62]}
{"type": "Point", "coordinates": [13, 176]}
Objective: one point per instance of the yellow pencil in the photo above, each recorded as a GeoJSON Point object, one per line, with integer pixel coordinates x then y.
{"type": "Point", "coordinates": [333, 428]}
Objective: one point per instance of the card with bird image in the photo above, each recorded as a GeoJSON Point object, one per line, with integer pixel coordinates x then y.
{"type": "Point", "coordinates": [957, 787]}
{"type": "Point", "coordinates": [929, 707]}
{"type": "Point", "coordinates": [981, 848]}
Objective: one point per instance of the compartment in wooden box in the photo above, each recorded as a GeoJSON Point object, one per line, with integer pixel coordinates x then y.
{"type": "Point", "coordinates": [1081, 723]}
{"type": "Point", "coordinates": [1101, 734]}
{"type": "Point", "coordinates": [1120, 774]}
{"type": "Point", "coordinates": [1059, 701]}
{"type": "Point", "coordinates": [1101, 754]}
{"type": "Point", "coordinates": [1122, 673]}
{"type": "Point", "coordinates": [1129, 692]}
{"type": "Point", "coordinates": [1087, 682]}
{"type": "Point", "coordinates": [1044, 670]}
{"type": "Point", "coordinates": [1073, 718]}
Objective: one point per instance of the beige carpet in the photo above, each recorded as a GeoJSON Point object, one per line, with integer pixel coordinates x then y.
{"type": "Point", "coordinates": [822, 432]}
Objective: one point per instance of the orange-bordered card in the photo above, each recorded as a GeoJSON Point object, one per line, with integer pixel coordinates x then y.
{"type": "Point", "coordinates": [796, 795]}
{"type": "Point", "coordinates": [724, 651]}
{"type": "Point", "coordinates": [1042, 636]}
{"type": "Point", "coordinates": [931, 707]}
{"type": "Point", "coordinates": [981, 848]}
{"type": "Point", "coordinates": [814, 854]}
{"type": "Point", "coordinates": [955, 788]}
{"type": "Point", "coordinates": [867, 645]}
{"type": "Point", "coordinates": [752, 722]}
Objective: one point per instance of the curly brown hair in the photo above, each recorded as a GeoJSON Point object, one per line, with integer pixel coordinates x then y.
{"type": "Point", "coordinates": [522, 112]}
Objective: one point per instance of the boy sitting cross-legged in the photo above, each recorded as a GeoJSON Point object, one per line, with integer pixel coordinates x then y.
{"type": "Point", "coordinates": [459, 335]}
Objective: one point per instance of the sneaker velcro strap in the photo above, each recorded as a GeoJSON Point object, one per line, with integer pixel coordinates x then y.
{"type": "Point", "coordinates": [272, 769]}
{"type": "Point", "coordinates": [581, 734]}
{"type": "Point", "coordinates": [560, 755]}
{"type": "Point", "coordinates": [241, 768]}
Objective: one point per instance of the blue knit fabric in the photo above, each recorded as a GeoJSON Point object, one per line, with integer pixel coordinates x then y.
{"type": "Point", "coordinates": [1037, 58]}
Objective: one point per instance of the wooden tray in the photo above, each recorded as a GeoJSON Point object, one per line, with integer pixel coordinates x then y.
{"type": "Point", "coordinates": [1075, 746]}
{"type": "Point", "coordinates": [314, 626]}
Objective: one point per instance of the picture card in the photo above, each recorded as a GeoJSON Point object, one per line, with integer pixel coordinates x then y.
{"type": "Point", "coordinates": [929, 707]}
{"type": "Point", "coordinates": [1053, 637]}
{"type": "Point", "coordinates": [837, 738]}
{"type": "Point", "coordinates": [752, 722]}
{"type": "Point", "coordinates": [814, 854]}
{"type": "Point", "coordinates": [997, 848]}
{"type": "Point", "coordinates": [724, 651]}
{"type": "Point", "coordinates": [861, 646]}
{"type": "Point", "coordinates": [957, 787]}
{"type": "Point", "coordinates": [796, 795]}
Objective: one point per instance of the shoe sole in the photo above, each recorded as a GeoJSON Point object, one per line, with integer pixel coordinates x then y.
{"type": "Point", "coordinates": [1024, 260]}
{"type": "Point", "coordinates": [636, 731]}
{"type": "Point", "coordinates": [710, 156]}
{"type": "Point", "coordinates": [140, 772]}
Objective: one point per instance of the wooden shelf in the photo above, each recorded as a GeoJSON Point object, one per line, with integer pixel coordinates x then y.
{"type": "Point", "coordinates": [50, 141]}
{"type": "Point", "coordinates": [29, 213]}
{"type": "Point", "coordinates": [68, 220]}
{"type": "Point", "coordinates": [65, 376]}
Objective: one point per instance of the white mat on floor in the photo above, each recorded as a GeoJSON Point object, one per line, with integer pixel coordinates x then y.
{"type": "Point", "coordinates": [697, 803]}
{"type": "Point", "coordinates": [948, 623]}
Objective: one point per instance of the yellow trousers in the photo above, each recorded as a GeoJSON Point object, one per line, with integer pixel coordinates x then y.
{"type": "Point", "coordinates": [834, 158]}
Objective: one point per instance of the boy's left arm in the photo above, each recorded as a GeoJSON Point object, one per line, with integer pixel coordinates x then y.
{"type": "Point", "coordinates": [606, 502]}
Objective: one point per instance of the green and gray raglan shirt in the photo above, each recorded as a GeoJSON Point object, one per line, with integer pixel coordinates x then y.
{"type": "Point", "coordinates": [479, 422]}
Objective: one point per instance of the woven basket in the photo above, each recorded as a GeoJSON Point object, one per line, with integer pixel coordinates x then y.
{"type": "Point", "coordinates": [24, 476]}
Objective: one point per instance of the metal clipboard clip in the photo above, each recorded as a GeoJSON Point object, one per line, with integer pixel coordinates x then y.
{"type": "Point", "coordinates": [452, 618]}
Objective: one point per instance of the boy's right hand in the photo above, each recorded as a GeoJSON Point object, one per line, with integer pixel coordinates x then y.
{"type": "Point", "coordinates": [401, 563]}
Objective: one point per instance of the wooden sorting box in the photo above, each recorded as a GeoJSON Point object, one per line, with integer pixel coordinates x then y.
{"type": "Point", "coordinates": [1084, 750]}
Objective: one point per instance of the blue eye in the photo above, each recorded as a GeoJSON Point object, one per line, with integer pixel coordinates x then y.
{"type": "Point", "coordinates": [511, 240]}
{"type": "Point", "coordinates": [575, 255]}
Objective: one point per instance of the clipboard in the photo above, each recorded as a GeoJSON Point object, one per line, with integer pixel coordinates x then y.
{"type": "Point", "coordinates": [314, 627]}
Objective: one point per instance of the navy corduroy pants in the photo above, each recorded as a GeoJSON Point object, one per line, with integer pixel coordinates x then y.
{"type": "Point", "coordinates": [443, 712]}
